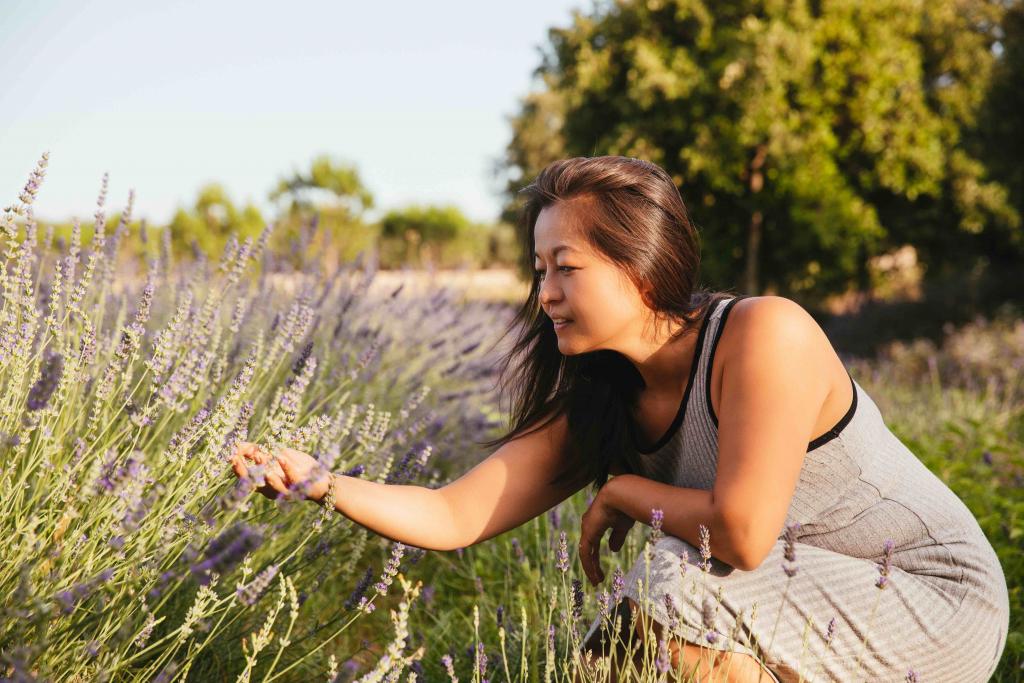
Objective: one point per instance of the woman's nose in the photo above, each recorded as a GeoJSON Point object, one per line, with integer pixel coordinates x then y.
{"type": "Point", "coordinates": [548, 291]}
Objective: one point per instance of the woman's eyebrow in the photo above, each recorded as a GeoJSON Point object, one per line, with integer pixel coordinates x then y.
{"type": "Point", "coordinates": [555, 251]}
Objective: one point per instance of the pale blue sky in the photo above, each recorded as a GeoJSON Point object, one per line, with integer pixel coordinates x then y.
{"type": "Point", "coordinates": [169, 95]}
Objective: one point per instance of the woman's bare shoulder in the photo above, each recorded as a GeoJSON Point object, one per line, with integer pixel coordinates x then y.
{"type": "Point", "coordinates": [790, 327]}
{"type": "Point", "coordinates": [775, 313]}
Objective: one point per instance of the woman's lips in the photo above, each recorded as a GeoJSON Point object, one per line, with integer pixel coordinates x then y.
{"type": "Point", "coordinates": [559, 326]}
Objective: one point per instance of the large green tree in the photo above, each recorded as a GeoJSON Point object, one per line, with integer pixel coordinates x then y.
{"type": "Point", "coordinates": [804, 136]}
{"type": "Point", "coordinates": [1001, 130]}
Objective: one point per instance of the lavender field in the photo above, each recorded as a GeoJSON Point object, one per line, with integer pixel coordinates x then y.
{"type": "Point", "coordinates": [134, 554]}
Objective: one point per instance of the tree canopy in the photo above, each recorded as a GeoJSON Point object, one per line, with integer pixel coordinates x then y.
{"type": "Point", "coordinates": [804, 136]}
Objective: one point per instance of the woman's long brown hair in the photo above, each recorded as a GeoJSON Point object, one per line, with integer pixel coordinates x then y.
{"type": "Point", "coordinates": [634, 215]}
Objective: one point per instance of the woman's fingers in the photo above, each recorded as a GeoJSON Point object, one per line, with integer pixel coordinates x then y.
{"type": "Point", "coordinates": [588, 560]}
{"type": "Point", "coordinates": [250, 451]}
{"type": "Point", "coordinates": [275, 478]}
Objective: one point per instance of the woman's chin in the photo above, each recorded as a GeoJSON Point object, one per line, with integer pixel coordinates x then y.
{"type": "Point", "coordinates": [567, 348]}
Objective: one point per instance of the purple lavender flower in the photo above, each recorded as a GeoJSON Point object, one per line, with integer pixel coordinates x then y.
{"type": "Point", "coordinates": [391, 568]}
{"type": "Point", "coordinates": [250, 594]}
{"type": "Point", "coordinates": [499, 615]}
{"type": "Point", "coordinates": [657, 516]}
{"type": "Point", "coordinates": [300, 363]}
{"type": "Point", "coordinates": [68, 599]}
{"type": "Point", "coordinates": [551, 637]}
{"type": "Point", "coordinates": [360, 589]}
{"type": "Point", "coordinates": [225, 551]}
{"type": "Point", "coordinates": [885, 566]}
{"type": "Point", "coordinates": [355, 471]}
{"type": "Point", "coordinates": [789, 551]}
{"type": "Point", "coordinates": [618, 585]}
{"type": "Point", "coordinates": [831, 631]}
{"type": "Point", "coordinates": [673, 612]}
{"type": "Point", "coordinates": [157, 590]}
{"type": "Point", "coordinates": [664, 660]}
{"type": "Point", "coordinates": [555, 517]}
{"type": "Point", "coordinates": [604, 603]}
{"type": "Point", "coordinates": [520, 555]}
{"type": "Point", "coordinates": [50, 374]}
{"type": "Point", "coordinates": [111, 475]}
{"type": "Point", "coordinates": [415, 555]}
{"type": "Point", "coordinates": [449, 665]}
{"type": "Point", "coordinates": [562, 562]}
{"type": "Point", "coordinates": [705, 547]}
{"type": "Point", "coordinates": [577, 598]}
{"type": "Point", "coordinates": [166, 673]}
{"type": "Point", "coordinates": [987, 457]}
{"type": "Point", "coordinates": [481, 659]}
{"type": "Point", "coordinates": [428, 594]}
{"type": "Point", "coordinates": [707, 614]}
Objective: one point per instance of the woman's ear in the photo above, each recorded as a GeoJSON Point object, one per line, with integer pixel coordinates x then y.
{"type": "Point", "coordinates": [646, 297]}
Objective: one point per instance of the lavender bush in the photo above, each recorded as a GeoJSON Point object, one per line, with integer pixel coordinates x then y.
{"type": "Point", "coordinates": [133, 553]}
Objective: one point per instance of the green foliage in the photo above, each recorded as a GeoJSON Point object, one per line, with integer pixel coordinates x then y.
{"type": "Point", "coordinates": [339, 181]}
{"type": "Point", "coordinates": [1001, 129]}
{"type": "Point", "coordinates": [805, 136]}
{"type": "Point", "coordinates": [440, 235]}
{"type": "Point", "coordinates": [212, 217]}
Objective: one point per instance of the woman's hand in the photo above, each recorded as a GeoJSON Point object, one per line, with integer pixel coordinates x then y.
{"type": "Point", "coordinates": [598, 518]}
{"type": "Point", "coordinates": [292, 470]}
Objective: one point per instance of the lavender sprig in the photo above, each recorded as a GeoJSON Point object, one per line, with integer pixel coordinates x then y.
{"type": "Point", "coordinates": [883, 569]}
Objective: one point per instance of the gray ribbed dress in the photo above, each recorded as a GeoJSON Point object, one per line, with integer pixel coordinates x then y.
{"type": "Point", "coordinates": [944, 612]}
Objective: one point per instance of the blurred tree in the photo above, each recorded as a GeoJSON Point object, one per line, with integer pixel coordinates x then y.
{"type": "Point", "coordinates": [805, 136]}
{"type": "Point", "coordinates": [332, 198]}
{"type": "Point", "coordinates": [336, 182]}
{"type": "Point", "coordinates": [211, 219]}
{"type": "Point", "coordinates": [435, 235]}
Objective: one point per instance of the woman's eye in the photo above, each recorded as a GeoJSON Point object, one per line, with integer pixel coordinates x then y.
{"type": "Point", "coordinates": [540, 273]}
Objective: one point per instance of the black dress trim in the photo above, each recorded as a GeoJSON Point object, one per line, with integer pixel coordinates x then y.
{"type": "Point", "coordinates": [711, 356]}
{"type": "Point", "coordinates": [839, 426]}
{"type": "Point", "coordinates": [817, 441]}
{"type": "Point", "coordinates": [681, 412]}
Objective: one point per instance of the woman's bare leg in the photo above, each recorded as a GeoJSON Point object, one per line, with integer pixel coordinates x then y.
{"type": "Point", "coordinates": [705, 664]}
{"type": "Point", "coordinates": [711, 666]}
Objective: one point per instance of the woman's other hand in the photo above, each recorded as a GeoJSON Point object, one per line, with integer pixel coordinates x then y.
{"type": "Point", "coordinates": [596, 521]}
{"type": "Point", "coordinates": [292, 470]}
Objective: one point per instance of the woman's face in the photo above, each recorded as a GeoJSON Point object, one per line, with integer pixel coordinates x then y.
{"type": "Point", "coordinates": [577, 283]}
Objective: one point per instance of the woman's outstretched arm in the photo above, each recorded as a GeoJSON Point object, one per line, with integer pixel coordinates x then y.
{"type": "Point", "coordinates": [414, 515]}
{"type": "Point", "coordinates": [508, 488]}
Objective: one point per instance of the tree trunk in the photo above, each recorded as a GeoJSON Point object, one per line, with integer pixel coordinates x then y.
{"type": "Point", "coordinates": [751, 276]}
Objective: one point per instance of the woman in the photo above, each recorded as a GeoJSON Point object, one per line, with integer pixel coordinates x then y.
{"type": "Point", "coordinates": [754, 430]}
